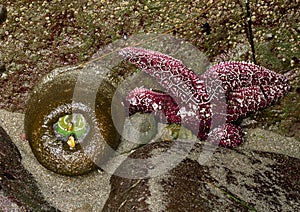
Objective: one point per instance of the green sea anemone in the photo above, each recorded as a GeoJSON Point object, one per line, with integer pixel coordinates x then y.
{"type": "Point", "coordinates": [68, 135]}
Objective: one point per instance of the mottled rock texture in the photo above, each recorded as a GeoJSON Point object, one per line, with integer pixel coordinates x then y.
{"type": "Point", "coordinates": [18, 189]}
{"type": "Point", "coordinates": [239, 180]}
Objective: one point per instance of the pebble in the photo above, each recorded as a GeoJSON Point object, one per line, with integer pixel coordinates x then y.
{"type": "Point", "coordinates": [23, 137]}
{"type": "Point", "coordinates": [125, 36]}
{"type": "Point", "coordinates": [269, 36]}
{"type": "Point", "coordinates": [3, 13]}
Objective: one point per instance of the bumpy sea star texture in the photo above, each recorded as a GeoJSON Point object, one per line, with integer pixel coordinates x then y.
{"type": "Point", "coordinates": [188, 98]}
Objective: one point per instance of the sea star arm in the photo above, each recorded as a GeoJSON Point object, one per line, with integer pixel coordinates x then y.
{"type": "Point", "coordinates": [179, 81]}
{"type": "Point", "coordinates": [227, 135]}
{"type": "Point", "coordinates": [147, 101]}
{"type": "Point", "coordinates": [241, 102]}
{"type": "Point", "coordinates": [248, 87]}
{"type": "Point", "coordinates": [237, 74]}
{"type": "Point", "coordinates": [275, 92]}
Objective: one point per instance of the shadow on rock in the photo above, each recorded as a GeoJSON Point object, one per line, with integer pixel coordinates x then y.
{"type": "Point", "coordinates": [18, 189]}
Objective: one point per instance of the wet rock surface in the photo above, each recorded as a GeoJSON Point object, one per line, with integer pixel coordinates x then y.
{"type": "Point", "coordinates": [18, 189]}
{"type": "Point", "coordinates": [239, 180]}
{"type": "Point", "coordinates": [265, 181]}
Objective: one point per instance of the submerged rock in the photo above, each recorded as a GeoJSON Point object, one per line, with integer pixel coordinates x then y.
{"type": "Point", "coordinates": [235, 180]}
{"type": "Point", "coordinates": [18, 189]}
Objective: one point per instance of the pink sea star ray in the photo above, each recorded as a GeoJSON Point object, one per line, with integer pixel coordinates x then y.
{"type": "Point", "coordinates": [247, 88]}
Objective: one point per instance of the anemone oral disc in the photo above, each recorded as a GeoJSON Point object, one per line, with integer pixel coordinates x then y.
{"type": "Point", "coordinates": [72, 124]}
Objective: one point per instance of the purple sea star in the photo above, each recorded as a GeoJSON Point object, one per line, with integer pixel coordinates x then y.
{"type": "Point", "coordinates": [247, 88]}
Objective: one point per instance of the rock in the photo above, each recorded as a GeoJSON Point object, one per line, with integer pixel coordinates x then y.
{"type": "Point", "coordinates": [266, 181]}
{"type": "Point", "coordinates": [269, 36]}
{"type": "Point", "coordinates": [184, 188]}
{"type": "Point", "coordinates": [139, 129]}
{"type": "Point", "coordinates": [18, 189]}
{"type": "Point", "coordinates": [85, 208]}
{"type": "Point", "coordinates": [3, 14]}
{"type": "Point", "coordinates": [233, 179]}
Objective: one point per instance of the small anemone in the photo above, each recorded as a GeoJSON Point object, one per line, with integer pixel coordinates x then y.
{"type": "Point", "coordinates": [71, 125]}
{"type": "Point", "coordinates": [66, 135]}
